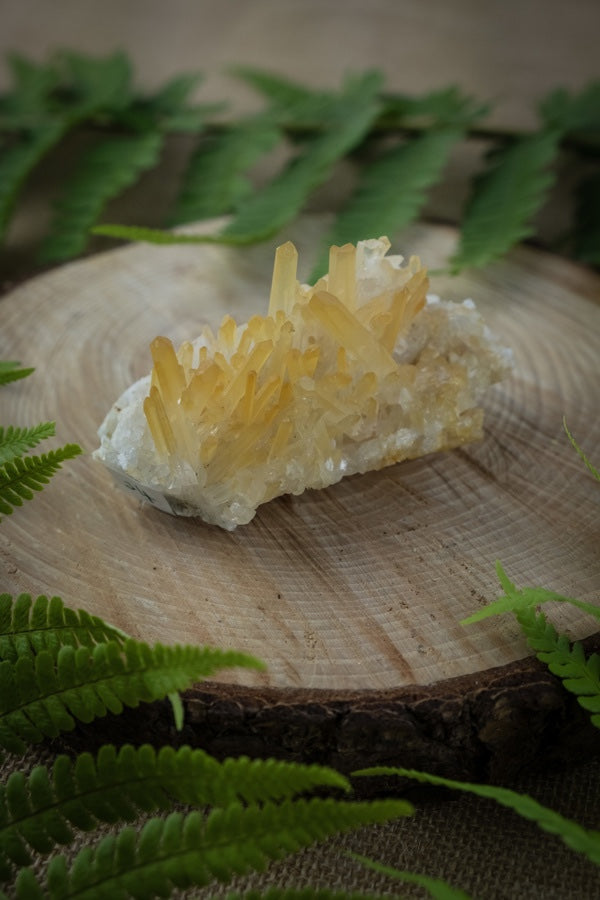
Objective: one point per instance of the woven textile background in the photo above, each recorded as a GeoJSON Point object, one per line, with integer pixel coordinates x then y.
{"type": "Point", "coordinates": [485, 849]}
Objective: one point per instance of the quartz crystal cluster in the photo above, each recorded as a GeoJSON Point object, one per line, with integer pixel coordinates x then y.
{"type": "Point", "coordinates": [360, 371]}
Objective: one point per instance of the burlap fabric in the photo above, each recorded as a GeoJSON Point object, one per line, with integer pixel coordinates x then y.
{"type": "Point", "coordinates": [477, 845]}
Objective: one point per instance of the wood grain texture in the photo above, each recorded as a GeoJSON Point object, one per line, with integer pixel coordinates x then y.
{"type": "Point", "coordinates": [492, 727]}
{"type": "Point", "coordinates": [359, 588]}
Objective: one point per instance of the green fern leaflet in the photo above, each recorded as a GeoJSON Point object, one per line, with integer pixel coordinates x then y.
{"type": "Point", "coordinates": [97, 84]}
{"type": "Point", "coordinates": [28, 626]}
{"type": "Point", "coordinates": [20, 477]}
{"type": "Point", "coordinates": [40, 810]}
{"type": "Point", "coordinates": [390, 192]}
{"type": "Point", "coordinates": [216, 180]}
{"type": "Point", "coordinates": [181, 851]}
{"type": "Point", "coordinates": [33, 83]}
{"type": "Point", "coordinates": [573, 114]}
{"type": "Point", "coordinates": [268, 210]}
{"type": "Point", "coordinates": [574, 836]}
{"type": "Point", "coordinates": [516, 600]}
{"type": "Point", "coordinates": [579, 675]}
{"type": "Point", "coordinates": [436, 888]}
{"type": "Point", "coordinates": [12, 371]}
{"type": "Point", "coordinates": [110, 166]}
{"type": "Point", "coordinates": [48, 101]}
{"type": "Point", "coordinates": [17, 441]}
{"type": "Point", "coordinates": [447, 107]}
{"type": "Point", "coordinates": [291, 104]}
{"type": "Point", "coordinates": [505, 198]}
{"type": "Point", "coordinates": [42, 696]}
{"type": "Point", "coordinates": [263, 213]}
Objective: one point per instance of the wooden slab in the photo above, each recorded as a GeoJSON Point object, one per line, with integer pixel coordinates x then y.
{"type": "Point", "coordinates": [352, 595]}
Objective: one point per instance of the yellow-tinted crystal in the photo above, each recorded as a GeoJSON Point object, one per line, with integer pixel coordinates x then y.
{"type": "Point", "coordinates": [342, 274]}
{"type": "Point", "coordinates": [309, 371]}
{"type": "Point", "coordinates": [283, 284]}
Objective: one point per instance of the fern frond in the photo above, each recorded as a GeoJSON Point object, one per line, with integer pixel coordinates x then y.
{"type": "Point", "coordinates": [20, 477]}
{"type": "Point", "coordinates": [42, 696]}
{"type": "Point", "coordinates": [109, 167]}
{"type": "Point", "coordinates": [100, 83]}
{"type": "Point", "coordinates": [579, 675]}
{"type": "Point", "coordinates": [193, 850]}
{"type": "Point", "coordinates": [391, 191]}
{"type": "Point", "coordinates": [268, 210]}
{"type": "Point", "coordinates": [28, 626]}
{"type": "Point", "coordinates": [39, 811]}
{"type": "Point", "coordinates": [436, 888]}
{"type": "Point", "coordinates": [16, 441]}
{"type": "Point", "coordinates": [505, 198]}
{"type": "Point", "coordinates": [516, 600]}
{"type": "Point", "coordinates": [264, 213]}
{"type": "Point", "coordinates": [215, 180]}
{"type": "Point", "coordinates": [576, 837]}
{"type": "Point", "coordinates": [12, 371]}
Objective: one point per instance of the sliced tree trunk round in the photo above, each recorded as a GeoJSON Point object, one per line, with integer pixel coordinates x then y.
{"type": "Point", "coordinates": [353, 596]}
